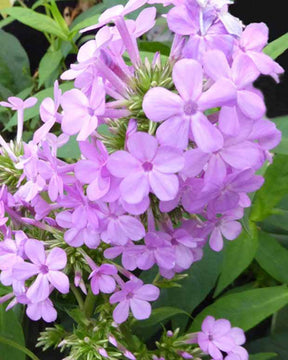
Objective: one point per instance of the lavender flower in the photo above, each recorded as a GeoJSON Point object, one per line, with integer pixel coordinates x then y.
{"type": "Point", "coordinates": [134, 295]}
{"type": "Point", "coordinates": [45, 267]}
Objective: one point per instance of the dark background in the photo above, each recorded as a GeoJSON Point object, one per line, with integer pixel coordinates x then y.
{"type": "Point", "coordinates": [274, 14]}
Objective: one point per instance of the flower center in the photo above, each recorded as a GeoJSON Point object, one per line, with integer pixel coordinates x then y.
{"type": "Point", "coordinates": [129, 295]}
{"type": "Point", "coordinates": [44, 269]}
{"type": "Point", "coordinates": [147, 166]}
{"type": "Point", "coordinates": [210, 337]}
{"type": "Point", "coordinates": [90, 111]}
{"type": "Point", "coordinates": [174, 241]}
{"type": "Point", "coordinates": [190, 108]}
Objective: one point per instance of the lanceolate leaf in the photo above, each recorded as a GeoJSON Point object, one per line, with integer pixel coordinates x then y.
{"type": "Point", "coordinates": [245, 309]}
{"type": "Point", "coordinates": [11, 330]}
{"type": "Point", "coordinates": [262, 356]}
{"type": "Point", "coordinates": [273, 257]}
{"type": "Point", "coordinates": [48, 64]}
{"type": "Point", "coordinates": [238, 254]}
{"type": "Point", "coordinates": [37, 21]}
{"type": "Point", "coordinates": [276, 343]}
{"type": "Point", "coordinates": [277, 47]}
{"type": "Point", "coordinates": [282, 124]}
{"type": "Point", "coordinates": [274, 188]}
{"type": "Point", "coordinates": [14, 66]}
{"type": "Point", "coordinates": [201, 280]}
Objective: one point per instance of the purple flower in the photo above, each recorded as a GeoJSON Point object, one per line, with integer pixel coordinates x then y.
{"type": "Point", "coordinates": [241, 76]}
{"type": "Point", "coordinates": [93, 170]}
{"type": "Point", "coordinates": [49, 114]}
{"type": "Point", "coordinates": [120, 227]}
{"type": "Point", "coordinates": [11, 252]}
{"type": "Point", "coordinates": [101, 279]}
{"type": "Point", "coordinates": [225, 226]}
{"type": "Point", "coordinates": [158, 250]}
{"type": "Point", "coordinates": [228, 195]}
{"type": "Point", "coordinates": [45, 267]}
{"type": "Point", "coordinates": [184, 113]}
{"type": "Point", "coordinates": [80, 114]}
{"type": "Point", "coordinates": [251, 42]}
{"type": "Point", "coordinates": [82, 221]}
{"type": "Point", "coordinates": [215, 337]}
{"type": "Point", "coordinates": [115, 12]}
{"type": "Point", "coordinates": [18, 104]}
{"type": "Point", "coordinates": [146, 168]}
{"type": "Point", "coordinates": [134, 295]}
{"type": "Point", "coordinates": [42, 309]}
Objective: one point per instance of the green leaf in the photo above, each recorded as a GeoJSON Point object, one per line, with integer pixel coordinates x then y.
{"type": "Point", "coordinates": [274, 188]}
{"type": "Point", "coordinates": [245, 309]}
{"type": "Point", "coordinates": [37, 21]}
{"type": "Point", "coordinates": [11, 330]}
{"type": "Point", "coordinates": [153, 46]}
{"type": "Point", "coordinates": [273, 257]}
{"type": "Point", "coordinates": [280, 321]}
{"type": "Point", "coordinates": [281, 123]}
{"type": "Point", "coordinates": [277, 47]}
{"type": "Point", "coordinates": [84, 23]}
{"type": "Point", "coordinates": [201, 279]}
{"type": "Point", "coordinates": [276, 343]}
{"type": "Point", "coordinates": [262, 356]}
{"type": "Point", "coordinates": [58, 16]}
{"type": "Point", "coordinates": [48, 64]}
{"type": "Point", "coordinates": [233, 264]}
{"type": "Point", "coordinates": [34, 111]}
{"type": "Point", "coordinates": [15, 345]}
{"type": "Point", "coordinates": [159, 315]}
{"type": "Point", "coordinates": [14, 66]}
{"type": "Point", "coordinates": [70, 150]}
{"type": "Point", "coordinates": [150, 56]}
{"type": "Point", "coordinates": [6, 21]}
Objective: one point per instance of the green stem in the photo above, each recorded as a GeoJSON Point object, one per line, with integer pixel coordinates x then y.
{"type": "Point", "coordinates": [89, 304]}
{"type": "Point", "coordinates": [19, 347]}
{"type": "Point", "coordinates": [78, 296]}
{"type": "Point", "coordinates": [22, 4]}
{"type": "Point", "coordinates": [157, 277]}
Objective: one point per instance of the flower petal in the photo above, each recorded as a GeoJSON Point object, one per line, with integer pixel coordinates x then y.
{"type": "Point", "coordinates": [56, 259]}
{"type": "Point", "coordinates": [160, 104]}
{"type": "Point", "coordinates": [207, 136]}
{"type": "Point", "coordinates": [39, 290]}
{"type": "Point", "coordinates": [140, 309]}
{"type": "Point", "coordinates": [147, 292]}
{"type": "Point", "coordinates": [121, 312]}
{"type": "Point", "coordinates": [142, 146]}
{"type": "Point", "coordinates": [188, 78]}
{"type": "Point", "coordinates": [59, 280]}
{"type": "Point", "coordinates": [164, 186]}
{"type": "Point", "coordinates": [134, 188]}
{"type": "Point", "coordinates": [34, 250]}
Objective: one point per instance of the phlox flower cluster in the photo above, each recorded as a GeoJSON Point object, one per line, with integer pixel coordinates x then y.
{"type": "Point", "coordinates": [169, 153]}
{"type": "Point", "coordinates": [218, 337]}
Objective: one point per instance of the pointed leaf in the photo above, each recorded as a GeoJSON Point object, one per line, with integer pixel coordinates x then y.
{"type": "Point", "coordinates": [273, 257]}
{"type": "Point", "coordinates": [245, 309]}
{"type": "Point", "coordinates": [10, 329]}
{"type": "Point", "coordinates": [233, 264]}
{"type": "Point", "coordinates": [277, 47]}
{"type": "Point", "coordinates": [37, 21]}
{"type": "Point", "coordinates": [274, 188]}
